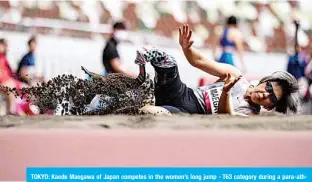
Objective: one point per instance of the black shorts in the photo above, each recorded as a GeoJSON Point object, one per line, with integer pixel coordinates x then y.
{"type": "Point", "coordinates": [171, 91]}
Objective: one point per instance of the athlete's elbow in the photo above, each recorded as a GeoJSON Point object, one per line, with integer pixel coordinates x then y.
{"type": "Point", "coordinates": [197, 64]}
{"type": "Point", "coordinates": [194, 64]}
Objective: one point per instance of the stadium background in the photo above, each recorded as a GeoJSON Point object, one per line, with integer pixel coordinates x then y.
{"type": "Point", "coordinates": [73, 33]}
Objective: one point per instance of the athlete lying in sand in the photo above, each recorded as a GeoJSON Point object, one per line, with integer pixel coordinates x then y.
{"type": "Point", "coordinates": [231, 94]}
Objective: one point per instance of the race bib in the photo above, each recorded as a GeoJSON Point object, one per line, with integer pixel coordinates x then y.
{"type": "Point", "coordinates": [214, 95]}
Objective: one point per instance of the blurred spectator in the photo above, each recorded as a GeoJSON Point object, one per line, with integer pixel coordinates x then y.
{"type": "Point", "coordinates": [6, 76]}
{"type": "Point", "coordinates": [264, 23]}
{"type": "Point", "coordinates": [308, 69]}
{"type": "Point", "coordinates": [230, 39]}
{"type": "Point", "coordinates": [305, 86]}
{"type": "Point", "coordinates": [26, 67]}
{"type": "Point", "coordinates": [6, 71]}
{"type": "Point", "coordinates": [111, 59]}
{"type": "Point", "coordinates": [308, 77]}
{"type": "Point", "coordinates": [297, 63]}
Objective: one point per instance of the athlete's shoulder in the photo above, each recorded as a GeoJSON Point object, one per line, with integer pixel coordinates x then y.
{"type": "Point", "coordinates": [236, 33]}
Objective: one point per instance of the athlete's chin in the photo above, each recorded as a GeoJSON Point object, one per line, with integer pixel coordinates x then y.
{"type": "Point", "coordinates": [255, 100]}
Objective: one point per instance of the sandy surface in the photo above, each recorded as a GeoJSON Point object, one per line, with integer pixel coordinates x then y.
{"type": "Point", "coordinates": [223, 122]}
{"type": "Point", "coordinates": [179, 140]}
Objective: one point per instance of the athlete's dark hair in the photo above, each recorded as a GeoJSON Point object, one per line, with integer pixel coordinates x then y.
{"type": "Point", "coordinates": [232, 20]}
{"type": "Point", "coordinates": [32, 39]}
{"type": "Point", "coordinates": [2, 41]}
{"type": "Point", "coordinates": [290, 100]}
{"type": "Point", "coordinates": [119, 25]}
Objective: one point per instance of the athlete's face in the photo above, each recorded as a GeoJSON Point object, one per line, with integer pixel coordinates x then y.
{"type": "Point", "coordinates": [120, 35]}
{"type": "Point", "coordinates": [2, 48]}
{"type": "Point", "coordinates": [32, 46]}
{"type": "Point", "coordinates": [265, 94]}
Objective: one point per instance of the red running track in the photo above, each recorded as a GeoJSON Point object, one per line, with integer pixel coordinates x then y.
{"type": "Point", "coordinates": [22, 148]}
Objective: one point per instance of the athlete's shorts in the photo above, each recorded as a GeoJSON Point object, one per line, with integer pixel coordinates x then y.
{"type": "Point", "coordinates": [226, 58]}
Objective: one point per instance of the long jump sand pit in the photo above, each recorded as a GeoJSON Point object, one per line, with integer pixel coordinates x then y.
{"type": "Point", "coordinates": [153, 141]}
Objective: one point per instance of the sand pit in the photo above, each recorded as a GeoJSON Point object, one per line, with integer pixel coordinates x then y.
{"type": "Point", "coordinates": [153, 141]}
{"type": "Point", "coordinates": [220, 122]}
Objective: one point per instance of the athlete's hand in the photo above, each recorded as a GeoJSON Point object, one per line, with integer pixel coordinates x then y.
{"type": "Point", "coordinates": [185, 35]}
{"type": "Point", "coordinates": [229, 82]}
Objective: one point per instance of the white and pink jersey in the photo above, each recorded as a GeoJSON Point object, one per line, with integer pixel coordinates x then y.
{"type": "Point", "coordinates": [208, 96]}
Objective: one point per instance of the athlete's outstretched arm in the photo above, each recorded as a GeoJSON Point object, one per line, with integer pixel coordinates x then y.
{"type": "Point", "coordinates": [196, 59]}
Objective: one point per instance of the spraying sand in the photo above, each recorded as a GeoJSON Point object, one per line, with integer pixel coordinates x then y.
{"type": "Point", "coordinates": [73, 95]}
